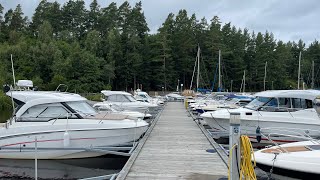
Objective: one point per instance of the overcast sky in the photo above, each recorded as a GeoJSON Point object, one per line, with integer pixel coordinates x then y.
{"type": "Point", "coordinates": [288, 19]}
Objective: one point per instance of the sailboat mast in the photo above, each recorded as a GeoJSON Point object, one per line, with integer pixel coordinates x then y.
{"type": "Point", "coordinates": [244, 80]}
{"type": "Point", "coordinates": [312, 80]}
{"type": "Point", "coordinates": [198, 74]}
{"type": "Point", "coordinates": [265, 76]}
{"type": "Point", "coordinates": [219, 82]}
{"type": "Point", "coordinates": [194, 69]}
{"type": "Point", "coordinates": [299, 70]}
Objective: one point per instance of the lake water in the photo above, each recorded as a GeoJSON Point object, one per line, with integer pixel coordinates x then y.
{"type": "Point", "coordinates": [62, 169]}
{"type": "Point", "coordinates": [59, 169]}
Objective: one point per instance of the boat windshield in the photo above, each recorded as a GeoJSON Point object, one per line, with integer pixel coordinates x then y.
{"type": "Point", "coordinates": [131, 99]}
{"type": "Point", "coordinates": [260, 101]}
{"type": "Point", "coordinates": [232, 100]}
{"type": "Point", "coordinates": [143, 96]}
{"type": "Point", "coordinates": [82, 107]}
{"type": "Point", "coordinates": [116, 107]}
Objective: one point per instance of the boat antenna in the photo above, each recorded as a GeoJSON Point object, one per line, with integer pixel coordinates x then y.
{"type": "Point", "coordinates": [312, 80]}
{"type": "Point", "coordinates": [299, 71]}
{"type": "Point", "coordinates": [219, 76]}
{"type": "Point", "coordinates": [265, 76]}
{"type": "Point", "coordinates": [12, 88]}
{"type": "Point", "coordinates": [14, 78]}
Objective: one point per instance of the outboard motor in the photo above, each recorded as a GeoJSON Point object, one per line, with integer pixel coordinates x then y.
{"type": "Point", "coordinates": [316, 104]}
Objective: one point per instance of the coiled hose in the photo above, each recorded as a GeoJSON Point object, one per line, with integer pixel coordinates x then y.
{"type": "Point", "coordinates": [247, 154]}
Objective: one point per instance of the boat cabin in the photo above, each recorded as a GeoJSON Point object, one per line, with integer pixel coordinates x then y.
{"type": "Point", "coordinates": [283, 100]}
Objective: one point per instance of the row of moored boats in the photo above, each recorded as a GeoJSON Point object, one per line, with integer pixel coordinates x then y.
{"type": "Point", "coordinates": [65, 126]}
{"type": "Point", "coordinates": [287, 119]}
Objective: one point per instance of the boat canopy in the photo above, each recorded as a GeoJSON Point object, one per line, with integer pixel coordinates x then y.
{"type": "Point", "coordinates": [26, 96]}
{"type": "Point", "coordinates": [108, 93]}
{"type": "Point", "coordinates": [301, 94]}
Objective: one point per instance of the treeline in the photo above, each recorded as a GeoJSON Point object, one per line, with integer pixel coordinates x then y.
{"type": "Point", "coordinates": [111, 48]}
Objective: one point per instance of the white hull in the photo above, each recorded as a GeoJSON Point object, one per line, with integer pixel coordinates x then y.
{"type": "Point", "coordinates": [21, 146]}
{"type": "Point", "coordinates": [299, 158]}
{"type": "Point", "coordinates": [277, 130]}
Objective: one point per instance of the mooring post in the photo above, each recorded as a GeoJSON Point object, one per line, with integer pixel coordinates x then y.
{"type": "Point", "coordinates": [234, 148]}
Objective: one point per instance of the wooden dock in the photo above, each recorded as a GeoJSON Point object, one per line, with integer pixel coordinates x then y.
{"type": "Point", "coordinates": [175, 149]}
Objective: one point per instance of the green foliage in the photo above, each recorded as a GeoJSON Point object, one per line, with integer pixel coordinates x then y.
{"type": "Point", "coordinates": [5, 102]}
{"type": "Point", "coordinates": [110, 48]}
{"type": "Point", "coordinates": [94, 97]}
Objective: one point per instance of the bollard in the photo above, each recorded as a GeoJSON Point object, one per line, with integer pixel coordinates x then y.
{"type": "Point", "coordinates": [234, 145]}
{"type": "Point", "coordinates": [186, 103]}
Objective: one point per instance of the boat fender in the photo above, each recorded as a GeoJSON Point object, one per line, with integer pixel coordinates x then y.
{"type": "Point", "coordinates": [66, 139]}
{"type": "Point", "coordinates": [258, 133]}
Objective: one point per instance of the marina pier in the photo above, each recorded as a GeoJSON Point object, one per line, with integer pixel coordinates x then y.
{"type": "Point", "coordinates": [174, 148]}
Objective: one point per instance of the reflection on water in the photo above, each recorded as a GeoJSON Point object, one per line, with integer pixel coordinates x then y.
{"type": "Point", "coordinates": [62, 169]}
{"type": "Point", "coordinates": [5, 115]}
{"type": "Point", "coordinates": [263, 175]}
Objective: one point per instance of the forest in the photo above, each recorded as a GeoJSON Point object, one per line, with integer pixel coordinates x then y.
{"type": "Point", "coordinates": [95, 48]}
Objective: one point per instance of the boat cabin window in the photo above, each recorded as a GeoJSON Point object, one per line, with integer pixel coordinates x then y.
{"type": "Point", "coordinates": [82, 107]}
{"type": "Point", "coordinates": [45, 112]}
{"type": "Point", "coordinates": [119, 98]}
{"type": "Point", "coordinates": [258, 102]}
{"type": "Point", "coordinates": [284, 102]}
{"type": "Point", "coordinates": [272, 103]}
{"type": "Point", "coordinates": [143, 96]}
{"type": "Point", "coordinates": [131, 98]}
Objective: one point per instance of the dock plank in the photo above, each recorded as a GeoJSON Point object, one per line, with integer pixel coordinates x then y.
{"type": "Point", "coordinates": [176, 149]}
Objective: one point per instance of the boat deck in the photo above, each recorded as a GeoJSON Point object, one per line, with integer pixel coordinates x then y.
{"type": "Point", "coordinates": [175, 149]}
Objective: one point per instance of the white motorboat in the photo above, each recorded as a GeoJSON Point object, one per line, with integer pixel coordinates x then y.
{"type": "Point", "coordinates": [127, 101]}
{"type": "Point", "coordinates": [298, 160]}
{"type": "Point", "coordinates": [143, 96]}
{"type": "Point", "coordinates": [174, 96]}
{"type": "Point", "coordinates": [63, 126]}
{"type": "Point", "coordinates": [213, 98]}
{"type": "Point", "coordinates": [230, 103]}
{"type": "Point", "coordinates": [115, 109]}
{"type": "Point", "coordinates": [271, 114]}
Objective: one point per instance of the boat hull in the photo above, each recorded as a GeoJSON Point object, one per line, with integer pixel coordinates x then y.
{"type": "Point", "coordinates": [298, 160]}
{"type": "Point", "coordinates": [278, 131]}
{"type": "Point", "coordinates": [76, 144]}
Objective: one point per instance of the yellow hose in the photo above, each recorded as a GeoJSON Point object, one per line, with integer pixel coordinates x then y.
{"type": "Point", "coordinates": [246, 167]}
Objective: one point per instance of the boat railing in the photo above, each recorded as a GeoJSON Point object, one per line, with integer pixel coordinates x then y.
{"type": "Point", "coordinates": [55, 117]}
{"type": "Point", "coordinates": [61, 85]}
{"type": "Point", "coordinates": [294, 133]}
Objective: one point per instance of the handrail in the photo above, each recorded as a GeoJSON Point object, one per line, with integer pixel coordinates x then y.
{"type": "Point", "coordinates": [62, 85]}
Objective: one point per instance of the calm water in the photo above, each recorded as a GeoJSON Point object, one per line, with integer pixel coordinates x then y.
{"type": "Point", "coordinates": [62, 169]}
{"type": "Point", "coordinates": [59, 169]}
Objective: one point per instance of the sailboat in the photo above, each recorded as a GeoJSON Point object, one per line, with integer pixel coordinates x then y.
{"type": "Point", "coordinates": [196, 64]}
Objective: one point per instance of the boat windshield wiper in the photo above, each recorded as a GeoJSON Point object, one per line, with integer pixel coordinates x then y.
{"type": "Point", "coordinates": [42, 112]}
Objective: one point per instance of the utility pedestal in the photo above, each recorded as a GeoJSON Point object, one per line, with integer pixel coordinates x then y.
{"type": "Point", "coordinates": [234, 145]}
